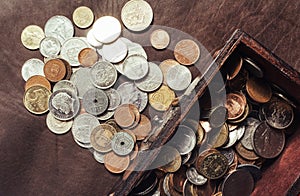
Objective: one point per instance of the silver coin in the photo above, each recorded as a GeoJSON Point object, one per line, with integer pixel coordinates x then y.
{"type": "Point", "coordinates": [131, 94]}
{"type": "Point", "coordinates": [81, 78]}
{"type": "Point", "coordinates": [122, 143]}
{"type": "Point", "coordinates": [58, 126]}
{"type": "Point", "coordinates": [64, 104]}
{"type": "Point", "coordinates": [229, 154]}
{"type": "Point", "coordinates": [233, 138]}
{"type": "Point", "coordinates": [135, 67]}
{"type": "Point", "coordinates": [103, 75]}
{"type": "Point", "coordinates": [194, 177]}
{"type": "Point", "coordinates": [98, 156]}
{"type": "Point", "coordinates": [184, 139]}
{"type": "Point", "coordinates": [50, 47]}
{"type": "Point", "coordinates": [32, 67]}
{"type": "Point", "coordinates": [95, 101]}
{"type": "Point", "coordinates": [82, 127]}
{"type": "Point", "coordinates": [185, 158]}
{"type": "Point", "coordinates": [71, 48]}
{"type": "Point", "coordinates": [92, 40]}
{"type": "Point", "coordinates": [136, 49]}
{"type": "Point", "coordinates": [240, 132]}
{"type": "Point", "coordinates": [114, 99]}
{"type": "Point", "coordinates": [83, 145]}
{"type": "Point", "coordinates": [114, 52]}
{"type": "Point", "coordinates": [125, 40]}
{"type": "Point", "coordinates": [65, 84]}
{"type": "Point", "coordinates": [250, 125]}
{"type": "Point", "coordinates": [59, 27]}
{"type": "Point", "coordinates": [152, 80]}
{"type": "Point", "coordinates": [107, 29]}
{"type": "Point", "coordinates": [179, 77]}
{"type": "Point", "coordinates": [106, 115]}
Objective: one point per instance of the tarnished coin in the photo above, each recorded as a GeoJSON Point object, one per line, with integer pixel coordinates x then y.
{"type": "Point", "coordinates": [143, 128]}
{"type": "Point", "coordinates": [122, 143]}
{"type": "Point", "coordinates": [258, 90]}
{"type": "Point", "coordinates": [245, 153]}
{"type": "Point", "coordinates": [31, 37]}
{"type": "Point", "coordinates": [115, 163]}
{"type": "Point", "coordinates": [146, 186]}
{"type": "Point", "coordinates": [55, 70]}
{"type": "Point", "coordinates": [95, 101]}
{"type": "Point", "coordinates": [184, 140]}
{"type": "Point", "coordinates": [229, 154]}
{"type": "Point", "coordinates": [107, 29]}
{"type": "Point", "coordinates": [152, 80]}
{"type": "Point", "coordinates": [69, 71]}
{"type": "Point", "coordinates": [179, 77]}
{"type": "Point", "coordinates": [82, 127]}
{"type": "Point", "coordinates": [81, 78]}
{"type": "Point", "coordinates": [58, 126]}
{"type": "Point", "coordinates": [71, 48]}
{"type": "Point", "coordinates": [250, 126]}
{"type": "Point", "coordinates": [253, 170]}
{"type": "Point", "coordinates": [113, 123]}
{"type": "Point", "coordinates": [267, 141]}
{"type": "Point", "coordinates": [65, 84]}
{"type": "Point", "coordinates": [92, 40]}
{"type": "Point", "coordinates": [187, 52]}
{"type": "Point", "coordinates": [195, 178]}
{"type": "Point", "coordinates": [165, 66]}
{"type": "Point", "coordinates": [235, 104]}
{"type": "Point", "coordinates": [160, 39]}
{"type": "Point", "coordinates": [32, 67]}
{"type": "Point", "coordinates": [88, 57]}
{"type": "Point", "coordinates": [64, 104]}
{"type": "Point", "coordinates": [137, 15]}
{"type": "Point", "coordinates": [233, 138]}
{"type": "Point", "coordinates": [162, 99]}
{"type": "Point", "coordinates": [103, 75]}
{"type": "Point", "coordinates": [101, 137]}
{"type": "Point", "coordinates": [114, 98]}
{"type": "Point", "coordinates": [98, 156]}
{"type": "Point", "coordinates": [36, 99]}
{"type": "Point", "coordinates": [207, 189]}
{"type": "Point", "coordinates": [131, 94]}
{"type": "Point", "coordinates": [59, 27]}
{"type": "Point", "coordinates": [188, 188]}
{"type": "Point", "coordinates": [168, 160]}
{"type": "Point", "coordinates": [114, 52]}
{"type": "Point", "coordinates": [37, 80]}
{"type": "Point", "coordinates": [178, 178]}
{"type": "Point", "coordinates": [83, 17]}
{"type": "Point", "coordinates": [240, 131]}
{"type": "Point", "coordinates": [135, 67]}
{"type": "Point", "coordinates": [218, 116]}
{"type": "Point", "coordinates": [50, 47]}
{"type": "Point", "coordinates": [124, 116]}
{"type": "Point", "coordinates": [278, 113]}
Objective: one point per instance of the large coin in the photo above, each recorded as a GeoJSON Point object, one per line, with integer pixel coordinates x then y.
{"type": "Point", "coordinates": [32, 67]}
{"type": "Point", "coordinates": [95, 101]}
{"type": "Point", "coordinates": [50, 47]}
{"type": "Point", "coordinates": [55, 70]}
{"type": "Point", "coordinates": [36, 99]}
{"type": "Point", "coordinates": [179, 77]}
{"type": "Point", "coordinates": [162, 98]}
{"type": "Point", "coordinates": [31, 37]}
{"type": "Point", "coordinates": [135, 67]}
{"type": "Point", "coordinates": [58, 126]}
{"type": "Point", "coordinates": [122, 143]}
{"type": "Point", "coordinates": [101, 137]}
{"type": "Point", "coordinates": [114, 98]}
{"type": "Point", "coordinates": [81, 78]}
{"type": "Point", "coordinates": [65, 84]}
{"type": "Point", "coordinates": [107, 29]}
{"type": "Point", "coordinates": [114, 52]}
{"type": "Point", "coordinates": [83, 17]}
{"type": "Point", "coordinates": [64, 104]}
{"type": "Point", "coordinates": [103, 75]}
{"type": "Point", "coordinates": [187, 52]}
{"type": "Point", "coordinates": [115, 163]}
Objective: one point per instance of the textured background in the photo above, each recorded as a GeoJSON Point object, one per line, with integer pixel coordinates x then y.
{"type": "Point", "coordinates": [35, 161]}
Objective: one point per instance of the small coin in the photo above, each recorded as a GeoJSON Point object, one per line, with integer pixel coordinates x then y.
{"type": "Point", "coordinates": [81, 78]}
{"type": "Point", "coordinates": [135, 67]}
{"type": "Point", "coordinates": [135, 49]}
{"type": "Point", "coordinates": [82, 127]}
{"type": "Point", "coordinates": [107, 29]}
{"type": "Point", "coordinates": [88, 57]}
{"type": "Point", "coordinates": [194, 177]}
{"type": "Point", "coordinates": [92, 40]}
{"type": "Point", "coordinates": [83, 17]}
{"type": "Point", "coordinates": [116, 164]}
{"type": "Point", "coordinates": [169, 159]}
{"type": "Point", "coordinates": [135, 152]}
{"type": "Point", "coordinates": [233, 138]}
{"type": "Point", "coordinates": [101, 137]}
{"type": "Point", "coordinates": [37, 80]}
{"type": "Point", "coordinates": [55, 70]}
{"type": "Point", "coordinates": [184, 139]}
{"type": "Point", "coordinates": [95, 101]}
{"type": "Point", "coordinates": [258, 90]}
{"type": "Point", "coordinates": [65, 84]}
{"type": "Point", "coordinates": [137, 15]}
{"type": "Point", "coordinates": [113, 123]}
{"type": "Point", "coordinates": [162, 98]}
{"type": "Point", "coordinates": [160, 39]}
{"type": "Point", "coordinates": [58, 126]}
{"type": "Point", "coordinates": [31, 37]}
{"type": "Point", "coordinates": [235, 104]}
{"type": "Point", "coordinates": [98, 156]}
{"type": "Point", "coordinates": [250, 126]}
{"type": "Point", "coordinates": [218, 116]}
{"type": "Point", "coordinates": [32, 67]}
{"type": "Point", "coordinates": [187, 52]}
{"type": "Point", "coordinates": [114, 52]}
{"type": "Point", "coordinates": [143, 128]}
{"type": "Point", "coordinates": [122, 143]}
{"type": "Point", "coordinates": [103, 75]}
{"type": "Point", "coordinates": [114, 98]}
{"type": "Point", "coordinates": [179, 77]}
{"type": "Point", "coordinates": [64, 104]}
{"type": "Point", "coordinates": [50, 47]}
{"type": "Point", "coordinates": [124, 116]}
{"type": "Point", "coordinates": [36, 99]}
{"type": "Point", "coordinates": [68, 67]}
{"type": "Point", "coordinates": [165, 66]}
{"type": "Point", "coordinates": [240, 131]}
{"type": "Point", "coordinates": [245, 153]}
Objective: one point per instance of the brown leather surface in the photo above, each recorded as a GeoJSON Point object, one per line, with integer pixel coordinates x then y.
{"type": "Point", "coordinates": [33, 161]}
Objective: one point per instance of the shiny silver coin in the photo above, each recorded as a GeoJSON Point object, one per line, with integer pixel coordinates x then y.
{"type": "Point", "coordinates": [185, 158]}
{"type": "Point", "coordinates": [98, 156]}
{"type": "Point", "coordinates": [58, 126]}
{"type": "Point", "coordinates": [135, 67]}
{"type": "Point", "coordinates": [122, 143]}
{"type": "Point", "coordinates": [194, 177]}
{"type": "Point", "coordinates": [95, 101]}
{"type": "Point", "coordinates": [32, 67]}
{"type": "Point", "coordinates": [64, 104]}
{"type": "Point", "coordinates": [240, 132]}
{"type": "Point", "coordinates": [152, 80]}
{"type": "Point", "coordinates": [250, 125]}
{"type": "Point", "coordinates": [103, 75]}
{"type": "Point", "coordinates": [81, 78]}
{"type": "Point", "coordinates": [59, 27]}
{"type": "Point", "coordinates": [184, 139]}
{"type": "Point", "coordinates": [114, 52]}
{"type": "Point", "coordinates": [83, 145]}
{"type": "Point", "coordinates": [233, 138]}
{"type": "Point", "coordinates": [65, 84]}
{"type": "Point", "coordinates": [131, 94]}
{"type": "Point", "coordinates": [82, 127]}
{"type": "Point", "coordinates": [106, 115]}
{"type": "Point", "coordinates": [179, 77]}
{"type": "Point", "coordinates": [114, 99]}
{"type": "Point", "coordinates": [50, 47]}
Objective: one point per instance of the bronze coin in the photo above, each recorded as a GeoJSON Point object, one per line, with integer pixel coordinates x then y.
{"type": "Point", "coordinates": [143, 128]}
{"type": "Point", "coordinates": [116, 164]}
{"type": "Point", "coordinates": [207, 189]}
{"type": "Point", "coordinates": [245, 153]}
{"type": "Point", "coordinates": [68, 69]}
{"type": "Point", "coordinates": [187, 52]}
{"type": "Point", "coordinates": [134, 153]}
{"type": "Point", "coordinates": [137, 115]}
{"type": "Point", "coordinates": [124, 116]}
{"type": "Point", "coordinates": [235, 104]}
{"type": "Point", "coordinates": [178, 178]}
{"type": "Point", "coordinates": [88, 57]}
{"type": "Point", "coordinates": [55, 70]}
{"type": "Point", "coordinates": [258, 90]}
{"type": "Point", "coordinates": [267, 141]}
{"type": "Point", "coordinates": [37, 80]}
{"type": "Point", "coordinates": [243, 117]}
{"type": "Point", "coordinates": [130, 133]}
{"type": "Point", "coordinates": [239, 82]}
{"type": "Point", "coordinates": [233, 66]}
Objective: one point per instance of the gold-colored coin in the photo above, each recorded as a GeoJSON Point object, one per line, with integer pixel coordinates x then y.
{"type": "Point", "coordinates": [83, 17]}
{"type": "Point", "coordinates": [31, 37]}
{"type": "Point", "coordinates": [101, 137]}
{"type": "Point", "coordinates": [160, 39]}
{"type": "Point", "coordinates": [245, 153]}
{"type": "Point", "coordinates": [162, 98]}
{"type": "Point", "coordinates": [223, 136]}
{"type": "Point", "coordinates": [36, 99]}
{"type": "Point", "coordinates": [37, 80]}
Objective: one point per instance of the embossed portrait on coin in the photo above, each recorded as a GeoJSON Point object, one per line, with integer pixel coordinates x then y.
{"type": "Point", "coordinates": [63, 102]}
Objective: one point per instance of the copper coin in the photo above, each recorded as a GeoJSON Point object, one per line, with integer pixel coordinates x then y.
{"type": "Point", "coordinates": [69, 71]}
{"type": "Point", "coordinates": [124, 116]}
{"type": "Point", "coordinates": [258, 90]}
{"type": "Point", "coordinates": [116, 164]}
{"type": "Point", "coordinates": [37, 80]}
{"type": "Point", "coordinates": [178, 178]}
{"type": "Point", "coordinates": [235, 104]}
{"type": "Point", "coordinates": [207, 189]}
{"type": "Point", "coordinates": [134, 153]}
{"type": "Point", "coordinates": [245, 153]}
{"type": "Point", "coordinates": [238, 82]}
{"type": "Point", "coordinates": [101, 137]}
{"type": "Point", "coordinates": [55, 70]}
{"type": "Point", "coordinates": [137, 115]}
{"type": "Point", "coordinates": [267, 141]}
{"type": "Point", "coordinates": [233, 65]}
{"type": "Point", "coordinates": [143, 129]}
{"type": "Point", "coordinates": [187, 52]}
{"type": "Point", "coordinates": [88, 57]}
{"type": "Point", "coordinates": [243, 117]}
{"type": "Point", "coordinates": [131, 134]}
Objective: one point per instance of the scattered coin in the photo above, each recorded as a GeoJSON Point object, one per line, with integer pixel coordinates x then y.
{"type": "Point", "coordinates": [245, 153]}
{"type": "Point", "coordinates": [178, 178]}
{"type": "Point", "coordinates": [250, 126]}
{"type": "Point", "coordinates": [95, 101]}
{"type": "Point", "coordinates": [101, 137]}
{"type": "Point", "coordinates": [55, 70]}
{"type": "Point", "coordinates": [222, 137]}
{"type": "Point", "coordinates": [99, 157]}
{"type": "Point", "coordinates": [229, 154]}
{"type": "Point", "coordinates": [258, 90]}
{"type": "Point", "coordinates": [179, 77]}
{"type": "Point", "coordinates": [135, 67]}
{"type": "Point", "coordinates": [253, 68]}
{"type": "Point", "coordinates": [83, 145]}
{"type": "Point", "coordinates": [37, 80]}
{"type": "Point", "coordinates": [58, 126]}
{"type": "Point", "coordinates": [106, 115]}
{"type": "Point", "coordinates": [50, 47]}
{"type": "Point", "coordinates": [88, 57]}
{"type": "Point", "coordinates": [122, 143]}
{"type": "Point", "coordinates": [114, 52]}
{"type": "Point", "coordinates": [165, 65]}
{"type": "Point", "coordinates": [83, 17]}
{"type": "Point", "coordinates": [36, 99]}
{"type": "Point", "coordinates": [135, 49]}
{"type": "Point", "coordinates": [31, 37]}
{"type": "Point", "coordinates": [162, 98]}
{"type": "Point", "coordinates": [103, 75]}
{"type": "Point", "coordinates": [106, 29]}
{"type": "Point", "coordinates": [168, 159]}
{"type": "Point", "coordinates": [187, 52]}
{"type": "Point", "coordinates": [115, 163]}
{"type": "Point", "coordinates": [160, 39]}
{"type": "Point", "coordinates": [32, 67]}
{"type": "Point", "coordinates": [218, 116]}
{"type": "Point", "coordinates": [65, 84]}
{"type": "Point", "coordinates": [234, 66]}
